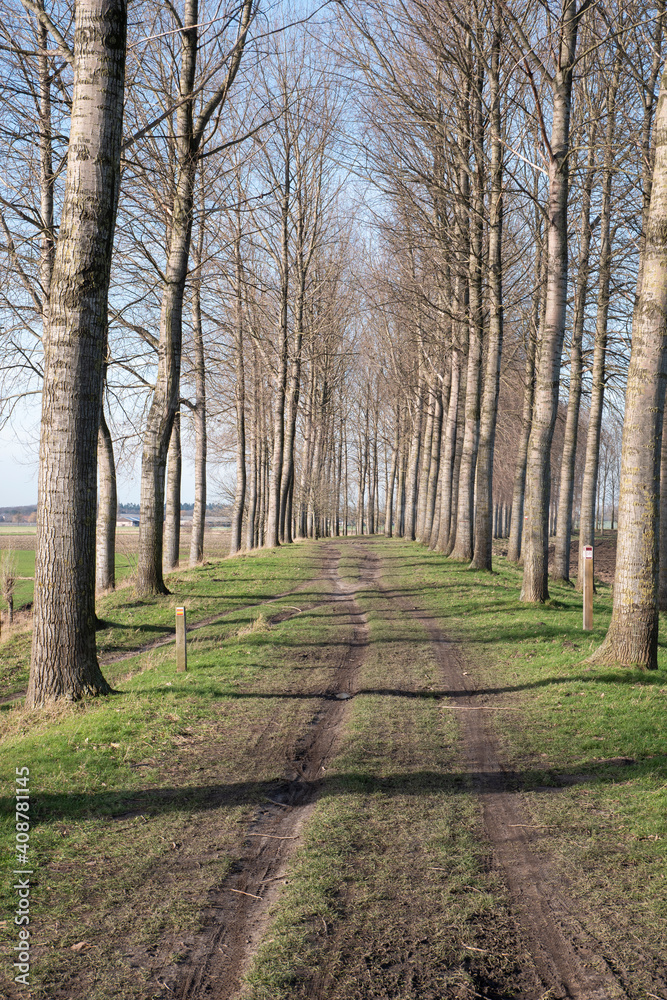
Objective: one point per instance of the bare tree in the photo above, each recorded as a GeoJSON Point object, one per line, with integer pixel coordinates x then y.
{"type": "Point", "coordinates": [632, 638]}
{"type": "Point", "coordinates": [64, 661]}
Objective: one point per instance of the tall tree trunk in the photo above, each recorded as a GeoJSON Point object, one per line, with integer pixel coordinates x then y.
{"type": "Point", "coordinates": [339, 480]}
{"type": "Point", "coordinates": [465, 513]}
{"type": "Point", "coordinates": [662, 582]}
{"type": "Point", "coordinates": [199, 411]}
{"type": "Point", "coordinates": [251, 526]}
{"type": "Point", "coordinates": [536, 537]}
{"type": "Point", "coordinates": [592, 461]}
{"type": "Point", "coordinates": [273, 522]}
{"type": "Point", "coordinates": [649, 98]}
{"type": "Point", "coordinates": [346, 483]}
{"type": "Point", "coordinates": [107, 512]}
{"type": "Point", "coordinates": [441, 400]}
{"type": "Point", "coordinates": [400, 490]}
{"type": "Point", "coordinates": [292, 408]}
{"type": "Point", "coordinates": [483, 549]}
{"type": "Point", "coordinates": [632, 638]}
{"type": "Point", "coordinates": [389, 499]}
{"type": "Point", "coordinates": [47, 179]}
{"type": "Point", "coordinates": [412, 475]}
{"type": "Point", "coordinates": [313, 489]}
{"type": "Point", "coordinates": [372, 480]}
{"type": "Point", "coordinates": [458, 448]}
{"type": "Point", "coordinates": [447, 463]}
{"type": "Point", "coordinates": [172, 514]}
{"type": "Point", "coordinates": [519, 485]}
{"type": "Point", "coordinates": [561, 570]}
{"type": "Point", "coordinates": [239, 401]}
{"type": "Point", "coordinates": [64, 661]}
{"type": "Point", "coordinates": [363, 470]}
{"type": "Point", "coordinates": [165, 399]}
{"type": "Point", "coordinates": [427, 445]}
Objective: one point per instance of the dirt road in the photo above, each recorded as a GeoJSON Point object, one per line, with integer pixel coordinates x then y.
{"type": "Point", "coordinates": [565, 959]}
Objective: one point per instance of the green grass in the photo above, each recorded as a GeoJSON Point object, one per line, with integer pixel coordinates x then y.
{"type": "Point", "coordinates": [393, 888]}
{"type": "Point", "coordinates": [588, 740]}
{"type": "Point", "coordinates": [24, 592]}
{"type": "Point", "coordinates": [393, 884]}
{"type": "Point", "coordinates": [117, 781]}
{"type": "Point", "coordinates": [128, 622]}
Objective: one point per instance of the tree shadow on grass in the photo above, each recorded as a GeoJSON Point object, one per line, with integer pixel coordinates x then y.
{"type": "Point", "coordinates": [437, 695]}
{"type": "Point", "coordinates": [107, 624]}
{"type": "Point", "coordinates": [121, 804]}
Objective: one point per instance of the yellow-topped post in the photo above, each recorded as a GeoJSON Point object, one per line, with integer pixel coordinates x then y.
{"type": "Point", "coordinates": [181, 649]}
{"type": "Point", "coordinates": [588, 588]}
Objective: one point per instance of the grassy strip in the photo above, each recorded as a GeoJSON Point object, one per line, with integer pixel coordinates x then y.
{"type": "Point", "coordinates": [128, 622]}
{"type": "Point", "coordinates": [153, 787]}
{"type": "Point", "coordinates": [155, 784]}
{"type": "Point", "coordinates": [392, 892]}
{"type": "Point", "coordinates": [588, 741]}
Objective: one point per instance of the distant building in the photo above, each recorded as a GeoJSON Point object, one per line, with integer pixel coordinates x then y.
{"type": "Point", "coordinates": [127, 521]}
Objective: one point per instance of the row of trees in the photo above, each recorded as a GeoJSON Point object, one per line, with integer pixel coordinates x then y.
{"type": "Point", "coordinates": [512, 124]}
{"type": "Point", "coordinates": [205, 258]}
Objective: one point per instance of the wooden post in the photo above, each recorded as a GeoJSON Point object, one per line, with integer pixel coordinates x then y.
{"type": "Point", "coordinates": [181, 648]}
{"type": "Point", "coordinates": [588, 588]}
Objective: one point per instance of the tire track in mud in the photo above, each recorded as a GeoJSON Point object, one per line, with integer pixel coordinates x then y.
{"type": "Point", "coordinates": [567, 958]}
{"type": "Point", "coordinates": [236, 914]}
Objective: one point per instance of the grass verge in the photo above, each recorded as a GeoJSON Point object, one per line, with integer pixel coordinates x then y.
{"type": "Point", "coordinates": [128, 622]}
{"type": "Point", "coordinates": [587, 741]}
{"type": "Point", "coordinates": [139, 801]}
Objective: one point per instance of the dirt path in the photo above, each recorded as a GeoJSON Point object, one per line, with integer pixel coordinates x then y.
{"type": "Point", "coordinates": [563, 959]}
{"type": "Point", "coordinates": [236, 914]}
{"type": "Point", "coordinates": [567, 958]}
{"type": "Point", "coordinates": [568, 962]}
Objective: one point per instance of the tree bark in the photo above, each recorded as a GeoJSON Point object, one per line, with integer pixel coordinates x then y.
{"type": "Point", "coordinates": [172, 514]}
{"type": "Point", "coordinates": [465, 513]}
{"type": "Point", "coordinates": [662, 561]}
{"type": "Point", "coordinates": [64, 661]}
{"type": "Point", "coordinates": [592, 461]}
{"type": "Point", "coordinates": [561, 570]}
{"type": "Point", "coordinates": [458, 448]}
{"type": "Point", "coordinates": [165, 399]}
{"type": "Point", "coordinates": [412, 486]}
{"type": "Point", "coordinates": [400, 491]}
{"type": "Point", "coordinates": [483, 542]}
{"type": "Point", "coordinates": [536, 541]}
{"type": "Point", "coordinates": [199, 411]}
{"type": "Point", "coordinates": [107, 512]}
{"type": "Point", "coordinates": [632, 638]}
{"type": "Point", "coordinates": [447, 462]}
{"type": "Point", "coordinates": [441, 399]}
{"type": "Point", "coordinates": [239, 402]}
{"type": "Point", "coordinates": [389, 499]}
{"type": "Point", "coordinates": [519, 485]}
{"type": "Point", "coordinates": [426, 449]}
{"type": "Point", "coordinates": [47, 178]}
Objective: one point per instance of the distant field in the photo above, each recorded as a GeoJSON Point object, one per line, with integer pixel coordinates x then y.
{"type": "Point", "coordinates": [21, 538]}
